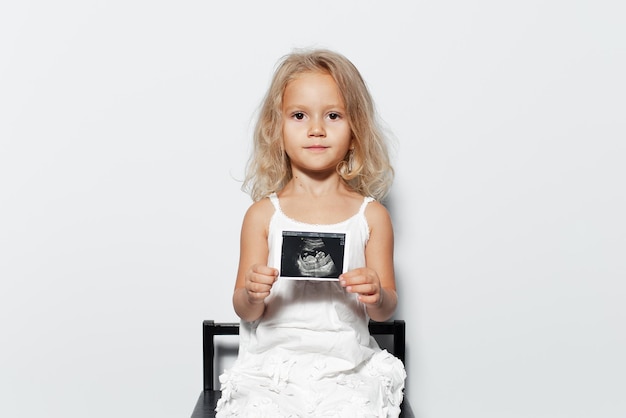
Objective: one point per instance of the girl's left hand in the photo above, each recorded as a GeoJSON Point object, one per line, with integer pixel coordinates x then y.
{"type": "Point", "coordinates": [365, 282]}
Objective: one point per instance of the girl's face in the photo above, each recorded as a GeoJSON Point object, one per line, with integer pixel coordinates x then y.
{"type": "Point", "coordinates": [316, 130]}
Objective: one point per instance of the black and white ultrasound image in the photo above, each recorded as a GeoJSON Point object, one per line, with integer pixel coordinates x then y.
{"type": "Point", "coordinates": [312, 255]}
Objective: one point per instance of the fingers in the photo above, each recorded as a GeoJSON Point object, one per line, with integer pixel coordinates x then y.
{"type": "Point", "coordinates": [262, 274]}
{"type": "Point", "coordinates": [365, 283]}
{"type": "Point", "coordinates": [259, 281]}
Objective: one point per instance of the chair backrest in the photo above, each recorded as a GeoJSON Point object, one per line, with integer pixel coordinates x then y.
{"type": "Point", "coordinates": [210, 329]}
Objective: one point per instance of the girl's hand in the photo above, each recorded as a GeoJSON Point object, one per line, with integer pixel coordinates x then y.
{"type": "Point", "coordinates": [366, 283]}
{"type": "Point", "coordinates": [259, 281]}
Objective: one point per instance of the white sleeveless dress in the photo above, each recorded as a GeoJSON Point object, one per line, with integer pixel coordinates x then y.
{"type": "Point", "coordinates": [311, 354]}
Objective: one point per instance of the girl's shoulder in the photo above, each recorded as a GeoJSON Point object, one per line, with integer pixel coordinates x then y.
{"type": "Point", "coordinates": [377, 215]}
{"type": "Point", "coordinates": [260, 212]}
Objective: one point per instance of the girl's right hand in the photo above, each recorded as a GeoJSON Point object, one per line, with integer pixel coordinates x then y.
{"type": "Point", "coordinates": [259, 281]}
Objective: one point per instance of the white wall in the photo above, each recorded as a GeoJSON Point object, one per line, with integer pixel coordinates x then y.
{"type": "Point", "coordinates": [124, 128]}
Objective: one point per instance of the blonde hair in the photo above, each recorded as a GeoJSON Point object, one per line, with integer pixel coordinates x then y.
{"type": "Point", "coordinates": [366, 169]}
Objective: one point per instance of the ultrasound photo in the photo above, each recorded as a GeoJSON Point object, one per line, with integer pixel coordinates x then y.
{"type": "Point", "coordinates": [312, 255]}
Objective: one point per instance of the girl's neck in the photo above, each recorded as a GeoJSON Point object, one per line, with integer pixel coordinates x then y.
{"type": "Point", "coordinates": [320, 203]}
{"type": "Point", "coordinates": [304, 186]}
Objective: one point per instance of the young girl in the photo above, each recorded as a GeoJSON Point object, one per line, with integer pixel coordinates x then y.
{"type": "Point", "coordinates": [319, 162]}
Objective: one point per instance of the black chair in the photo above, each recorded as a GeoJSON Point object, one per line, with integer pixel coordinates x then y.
{"type": "Point", "coordinates": [205, 407]}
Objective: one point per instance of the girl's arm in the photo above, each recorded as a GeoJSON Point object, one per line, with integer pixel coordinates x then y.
{"type": "Point", "coordinates": [375, 283]}
{"type": "Point", "coordinates": [254, 277]}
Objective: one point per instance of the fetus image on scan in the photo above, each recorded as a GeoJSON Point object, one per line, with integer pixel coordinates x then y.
{"type": "Point", "coordinates": [312, 255]}
{"type": "Point", "coordinates": [313, 260]}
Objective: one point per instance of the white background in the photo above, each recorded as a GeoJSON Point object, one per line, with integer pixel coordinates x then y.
{"type": "Point", "coordinates": [124, 131]}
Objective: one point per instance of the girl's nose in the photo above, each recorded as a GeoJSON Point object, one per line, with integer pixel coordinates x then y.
{"type": "Point", "coordinates": [316, 129]}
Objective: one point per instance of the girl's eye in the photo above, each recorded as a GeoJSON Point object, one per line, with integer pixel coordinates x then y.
{"type": "Point", "coordinates": [298, 115]}
{"type": "Point", "coordinates": [334, 116]}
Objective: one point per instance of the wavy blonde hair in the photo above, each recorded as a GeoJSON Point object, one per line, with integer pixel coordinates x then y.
{"type": "Point", "coordinates": [366, 168]}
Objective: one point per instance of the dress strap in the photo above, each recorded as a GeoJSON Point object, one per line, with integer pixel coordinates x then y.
{"type": "Point", "coordinates": [366, 200]}
{"type": "Point", "coordinates": [274, 199]}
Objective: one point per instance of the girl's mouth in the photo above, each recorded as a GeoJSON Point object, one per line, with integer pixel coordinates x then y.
{"type": "Point", "coordinates": [316, 148]}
